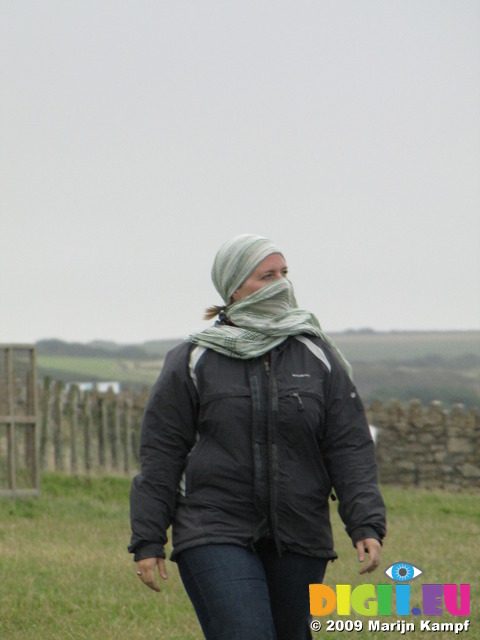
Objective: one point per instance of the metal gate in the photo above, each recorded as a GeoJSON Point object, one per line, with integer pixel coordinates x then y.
{"type": "Point", "coordinates": [19, 470]}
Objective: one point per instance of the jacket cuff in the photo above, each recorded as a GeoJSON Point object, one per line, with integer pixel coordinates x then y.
{"type": "Point", "coordinates": [364, 532]}
{"type": "Point", "coordinates": [149, 551]}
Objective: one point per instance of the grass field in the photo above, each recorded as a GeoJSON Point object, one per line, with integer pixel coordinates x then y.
{"type": "Point", "coordinates": [80, 369]}
{"type": "Point", "coordinates": [65, 573]}
{"type": "Point", "coordinates": [407, 345]}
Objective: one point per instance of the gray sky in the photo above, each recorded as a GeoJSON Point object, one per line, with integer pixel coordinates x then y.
{"type": "Point", "coordinates": [137, 136]}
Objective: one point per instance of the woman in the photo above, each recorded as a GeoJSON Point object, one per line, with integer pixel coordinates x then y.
{"type": "Point", "coordinates": [249, 426]}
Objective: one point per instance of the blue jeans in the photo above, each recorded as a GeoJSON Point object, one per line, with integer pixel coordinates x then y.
{"type": "Point", "coordinates": [242, 594]}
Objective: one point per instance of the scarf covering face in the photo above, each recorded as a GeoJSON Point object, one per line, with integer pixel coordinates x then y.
{"type": "Point", "coordinates": [236, 260]}
{"type": "Point", "coordinates": [262, 320]}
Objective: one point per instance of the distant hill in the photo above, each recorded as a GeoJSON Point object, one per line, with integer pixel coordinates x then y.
{"type": "Point", "coordinates": [102, 349]}
{"type": "Point", "coordinates": [363, 345]}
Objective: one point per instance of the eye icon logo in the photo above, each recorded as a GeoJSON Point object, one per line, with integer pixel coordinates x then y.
{"type": "Point", "coordinates": [403, 572]}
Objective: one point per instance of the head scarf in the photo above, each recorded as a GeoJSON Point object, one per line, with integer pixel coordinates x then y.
{"type": "Point", "coordinates": [236, 260]}
{"type": "Point", "coordinates": [264, 319]}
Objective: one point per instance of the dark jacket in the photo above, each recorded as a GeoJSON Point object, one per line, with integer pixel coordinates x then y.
{"type": "Point", "coordinates": [235, 451]}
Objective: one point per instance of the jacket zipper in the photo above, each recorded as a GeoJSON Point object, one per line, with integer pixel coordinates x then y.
{"type": "Point", "coordinates": [271, 454]}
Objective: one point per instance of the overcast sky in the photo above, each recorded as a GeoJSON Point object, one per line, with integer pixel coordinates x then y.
{"type": "Point", "coordinates": [137, 136]}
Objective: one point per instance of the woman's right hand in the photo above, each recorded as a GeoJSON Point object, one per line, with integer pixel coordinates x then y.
{"type": "Point", "coordinates": [146, 571]}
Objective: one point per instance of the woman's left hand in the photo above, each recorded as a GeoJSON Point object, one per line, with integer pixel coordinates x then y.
{"type": "Point", "coordinates": [146, 571]}
{"type": "Point", "coordinates": [373, 548]}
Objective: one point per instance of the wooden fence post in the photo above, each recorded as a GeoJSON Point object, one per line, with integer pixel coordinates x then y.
{"type": "Point", "coordinates": [135, 432]}
{"type": "Point", "coordinates": [115, 438]}
{"type": "Point", "coordinates": [87, 431]}
{"type": "Point", "coordinates": [102, 430]}
{"type": "Point", "coordinates": [127, 433]}
{"type": "Point", "coordinates": [71, 411]}
{"type": "Point", "coordinates": [45, 424]}
{"type": "Point", "coordinates": [31, 458]}
{"type": "Point", "coordinates": [58, 436]}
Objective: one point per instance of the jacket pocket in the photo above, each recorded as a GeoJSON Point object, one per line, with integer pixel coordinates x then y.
{"type": "Point", "coordinates": [301, 413]}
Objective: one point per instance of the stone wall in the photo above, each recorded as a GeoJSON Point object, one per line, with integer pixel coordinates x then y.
{"type": "Point", "coordinates": [429, 447]}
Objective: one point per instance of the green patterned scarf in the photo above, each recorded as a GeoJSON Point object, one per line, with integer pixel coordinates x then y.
{"type": "Point", "coordinates": [262, 320]}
